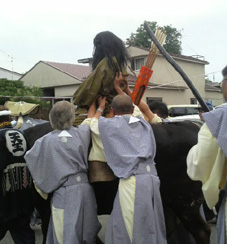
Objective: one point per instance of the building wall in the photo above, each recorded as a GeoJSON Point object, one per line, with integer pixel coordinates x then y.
{"type": "Point", "coordinates": [215, 97]}
{"type": "Point", "coordinates": [136, 52]}
{"type": "Point", "coordinates": [164, 73]}
{"type": "Point", "coordinates": [67, 91]}
{"type": "Point", "coordinates": [43, 75]}
{"type": "Point", "coordinates": [170, 97]}
{"type": "Point", "coordinates": [9, 75]}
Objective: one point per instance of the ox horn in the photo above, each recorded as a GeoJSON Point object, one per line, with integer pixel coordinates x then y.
{"type": "Point", "coordinates": [20, 122]}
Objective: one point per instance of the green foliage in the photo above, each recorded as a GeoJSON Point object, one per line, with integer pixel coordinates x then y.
{"type": "Point", "coordinates": [141, 38]}
{"type": "Point", "coordinates": [207, 80]}
{"type": "Point", "coordinates": [18, 92]}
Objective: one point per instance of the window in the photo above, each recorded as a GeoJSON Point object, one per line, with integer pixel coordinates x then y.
{"type": "Point", "coordinates": [192, 111]}
{"type": "Point", "coordinates": [193, 101]}
{"type": "Point", "coordinates": [138, 63]}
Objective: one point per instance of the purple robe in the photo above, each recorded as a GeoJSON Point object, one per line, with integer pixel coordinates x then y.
{"type": "Point", "coordinates": [130, 150]}
{"type": "Point", "coordinates": [58, 164]}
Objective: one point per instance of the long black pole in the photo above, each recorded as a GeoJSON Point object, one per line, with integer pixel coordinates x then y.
{"type": "Point", "coordinates": [177, 68]}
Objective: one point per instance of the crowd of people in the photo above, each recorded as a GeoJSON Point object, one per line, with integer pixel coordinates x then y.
{"type": "Point", "coordinates": [66, 166]}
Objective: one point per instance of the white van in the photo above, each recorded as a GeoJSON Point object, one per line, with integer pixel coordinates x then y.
{"type": "Point", "coordinates": [181, 110]}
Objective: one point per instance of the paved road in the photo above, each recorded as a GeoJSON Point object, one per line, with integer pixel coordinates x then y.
{"type": "Point", "coordinates": [38, 236]}
{"type": "Point", "coordinates": [103, 219]}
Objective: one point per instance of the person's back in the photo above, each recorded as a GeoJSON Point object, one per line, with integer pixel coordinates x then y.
{"type": "Point", "coordinates": [129, 147]}
{"type": "Point", "coordinates": [58, 164]}
{"type": "Point", "coordinates": [110, 57]}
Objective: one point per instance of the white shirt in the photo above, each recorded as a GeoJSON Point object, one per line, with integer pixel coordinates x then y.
{"type": "Point", "coordinates": [206, 162]}
{"type": "Point", "coordinates": [97, 150]}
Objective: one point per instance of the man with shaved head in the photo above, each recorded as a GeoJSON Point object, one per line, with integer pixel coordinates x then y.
{"type": "Point", "coordinates": [129, 146]}
{"type": "Point", "coordinates": [207, 160]}
{"type": "Point", "coordinates": [122, 104]}
{"type": "Point", "coordinates": [100, 174]}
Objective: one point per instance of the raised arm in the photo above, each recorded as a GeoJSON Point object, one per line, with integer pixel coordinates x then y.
{"type": "Point", "coordinates": [99, 111]}
{"type": "Point", "coordinates": [144, 108]}
{"type": "Point", "coordinates": [91, 110]}
{"type": "Point", "coordinates": [117, 82]}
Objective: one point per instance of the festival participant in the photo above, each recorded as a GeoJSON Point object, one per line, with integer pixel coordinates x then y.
{"type": "Point", "coordinates": [160, 109]}
{"type": "Point", "coordinates": [15, 183]}
{"type": "Point", "coordinates": [129, 147]}
{"type": "Point", "coordinates": [100, 174]}
{"type": "Point", "coordinates": [109, 59]}
{"type": "Point", "coordinates": [58, 164]}
{"type": "Point", "coordinates": [207, 160]}
{"type": "Point", "coordinates": [97, 151]}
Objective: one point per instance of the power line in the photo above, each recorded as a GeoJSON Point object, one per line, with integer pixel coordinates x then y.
{"type": "Point", "coordinates": [176, 81]}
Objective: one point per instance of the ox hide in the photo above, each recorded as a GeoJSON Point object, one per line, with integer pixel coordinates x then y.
{"type": "Point", "coordinates": [181, 196]}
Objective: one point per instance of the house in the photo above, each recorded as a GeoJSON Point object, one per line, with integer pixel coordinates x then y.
{"type": "Point", "coordinates": [62, 80]}
{"type": "Point", "coordinates": [9, 75]}
{"type": "Point", "coordinates": [213, 93]}
{"type": "Point", "coordinates": [166, 84]}
{"type": "Point", "coordinates": [56, 79]}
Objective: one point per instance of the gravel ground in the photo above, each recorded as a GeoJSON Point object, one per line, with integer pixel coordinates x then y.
{"type": "Point", "coordinates": [103, 219]}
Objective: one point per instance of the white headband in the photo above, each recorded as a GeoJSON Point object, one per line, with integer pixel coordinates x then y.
{"type": "Point", "coordinates": [5, 112]}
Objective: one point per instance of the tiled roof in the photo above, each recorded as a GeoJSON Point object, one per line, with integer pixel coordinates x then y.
{"type": "Point", "coordinates": [212, 87]}
{"type": "Point", "coordinates": [79, 72]}
{"type": "Point", "coordinates": [179, 56]}
{"type": "Point", "coordinates": [10, 71]}
{"type": "Point", "coordinates": [188, 58]}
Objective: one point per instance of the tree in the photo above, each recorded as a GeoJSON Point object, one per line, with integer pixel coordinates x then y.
{"type": "Point", "coordinates": [207, 80]}
{"type": "Point", "coordinates": [18, 92]}
{"type": "Point", "coordinates": [141, 38]}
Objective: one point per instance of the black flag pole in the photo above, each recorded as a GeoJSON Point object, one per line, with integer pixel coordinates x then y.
{"type": "Point", "coordinates": [177, 68]}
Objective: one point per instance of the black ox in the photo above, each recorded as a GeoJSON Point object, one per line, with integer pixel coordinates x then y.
{"type": "Point", "coordinates": [181, 196]}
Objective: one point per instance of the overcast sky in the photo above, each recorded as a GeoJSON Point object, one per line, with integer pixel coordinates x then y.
{"type": "Point", "coordinates": [63, 31]}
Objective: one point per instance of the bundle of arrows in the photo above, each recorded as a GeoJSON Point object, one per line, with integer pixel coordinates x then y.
{"type": "Point", "coordinates": [146, 71]}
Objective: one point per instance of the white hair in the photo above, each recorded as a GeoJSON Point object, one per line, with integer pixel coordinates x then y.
{"type": "Point", "coordinates": [62, 115]}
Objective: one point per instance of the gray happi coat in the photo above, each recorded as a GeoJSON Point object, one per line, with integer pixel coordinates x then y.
{"type": "Point", "coordinates": [130, 149]}
{"type": "Point", "coordinates": [216, 121]}
{"type": "Point", "coordinates": [58, 164]}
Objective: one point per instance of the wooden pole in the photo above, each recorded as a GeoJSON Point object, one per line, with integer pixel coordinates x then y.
{"type": "Point", "coordinates": [177, 68]}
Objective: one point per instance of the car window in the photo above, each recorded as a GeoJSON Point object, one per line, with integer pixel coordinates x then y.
{"type": "Point", "coordinates": [192, 111]}
{"type": "Point", "coordinates": [180, 111]}
{"type": "Point", "coordinates": [177, 111]}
